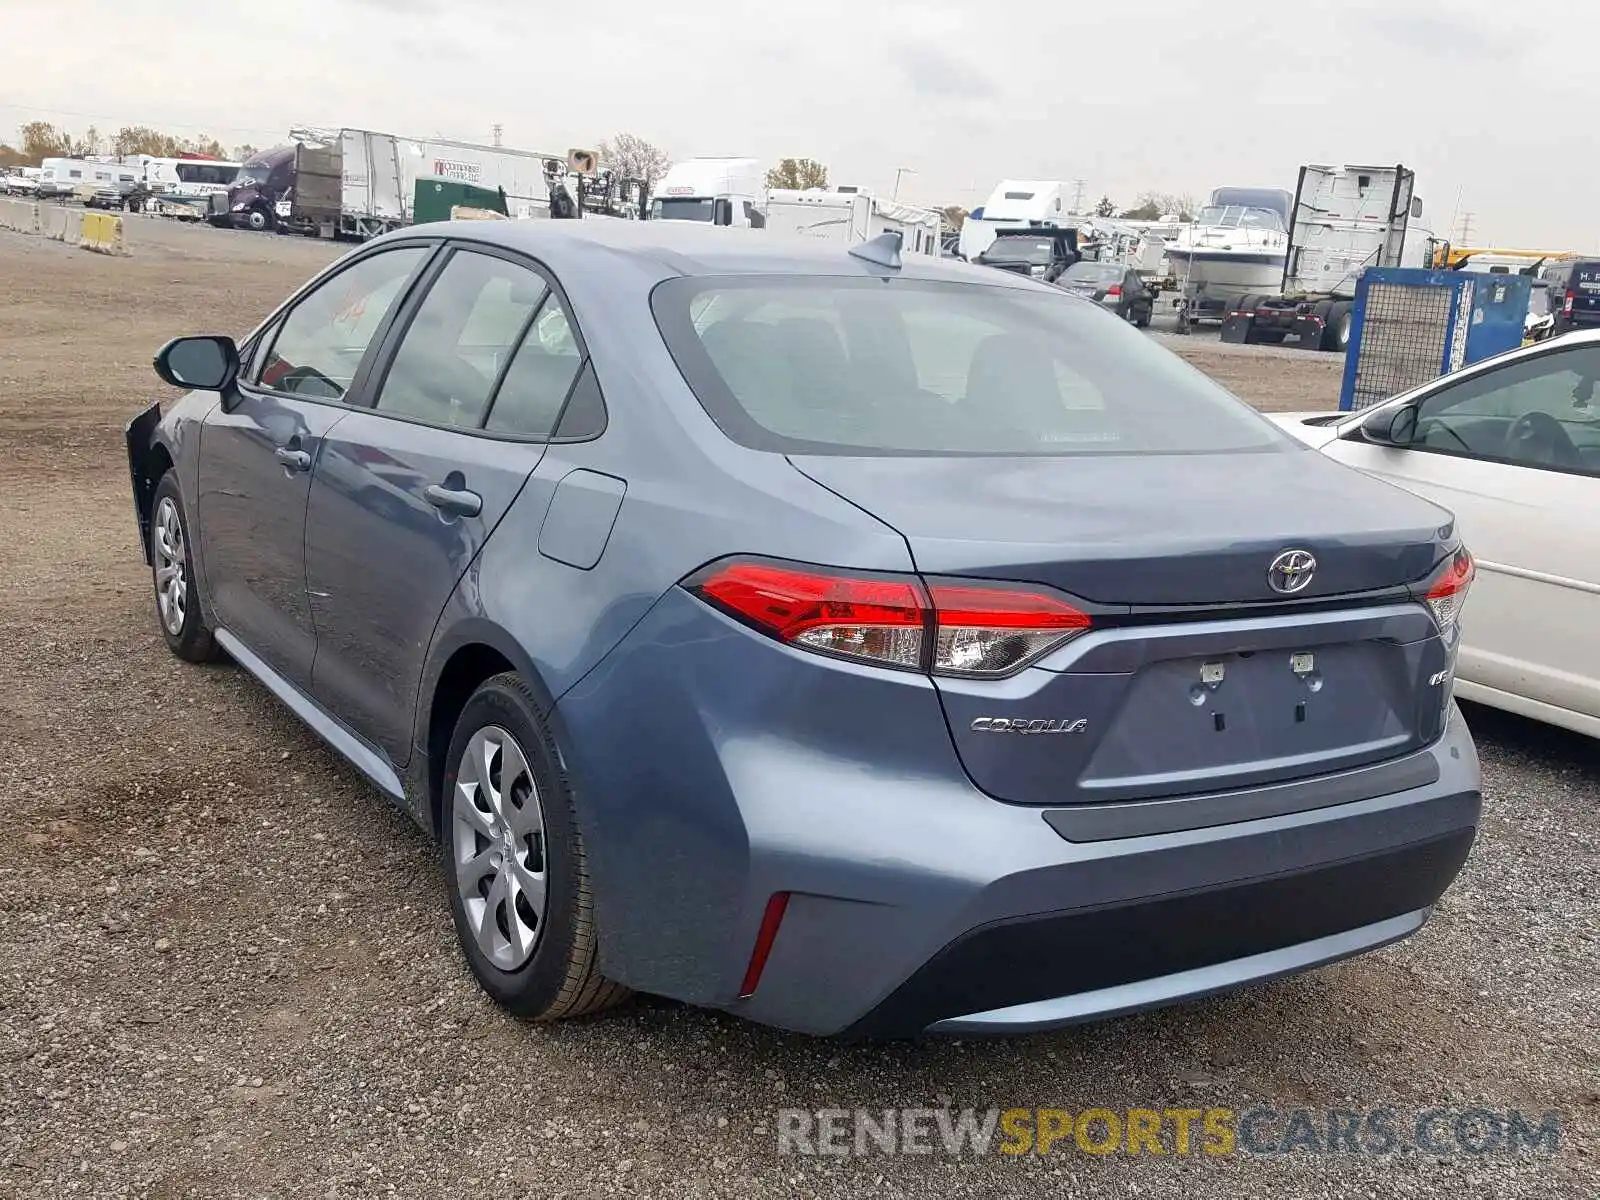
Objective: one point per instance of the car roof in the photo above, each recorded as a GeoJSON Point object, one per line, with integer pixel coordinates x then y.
{"type": "Point", "coordinates": [672, 248]}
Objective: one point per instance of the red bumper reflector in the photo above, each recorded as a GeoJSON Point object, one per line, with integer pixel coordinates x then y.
{"type": "Point", "coordinates": [770, 920]}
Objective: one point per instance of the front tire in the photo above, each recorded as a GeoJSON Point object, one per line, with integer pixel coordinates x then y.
{"type": "Point", "coordinates": [177, 589]}
{"type": "Point", "coordinates": [259, 219]}
{"type": "Point", "coordinates": [515, 862]}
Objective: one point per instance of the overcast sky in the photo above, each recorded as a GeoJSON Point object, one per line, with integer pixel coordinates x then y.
{"type": "Point", "coordinates": [1485, 101]}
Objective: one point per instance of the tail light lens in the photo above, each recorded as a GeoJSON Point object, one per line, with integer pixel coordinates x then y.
{"type": "Point", "coordinates": [1448, 588]}
{"type": "Point", "coordinates": [880, 619]}
{"type": "Point", "coordinates": [993, 631]}
{"type": "Point", "coordinates": [1566, 305]}
{"type": "Point", "coordinates": [1114, 290]}
{"type": "Point", "coordinates": [946, 628]}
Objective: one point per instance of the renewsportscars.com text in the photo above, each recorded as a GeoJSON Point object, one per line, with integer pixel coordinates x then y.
{"type": "Point", "coordinates": [1165, 1131]}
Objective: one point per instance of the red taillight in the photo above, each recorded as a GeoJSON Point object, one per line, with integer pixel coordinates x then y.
{"type": "Point", "coordinates": [856, 616]}
{"type": "Point", "coordinates": [765, 936]}
{"type": "Point", "coordinates": [1114, 290]}
{"type": "Point", "coordinates": [1566, 307]}
{"type": "Point", "coordinates": [949, 629]}
{"type": "Point", "coordinates": [1447, 591]}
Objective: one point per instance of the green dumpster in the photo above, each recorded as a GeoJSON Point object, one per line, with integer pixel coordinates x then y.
{"type": "Point", "coordinates": [435, 197]}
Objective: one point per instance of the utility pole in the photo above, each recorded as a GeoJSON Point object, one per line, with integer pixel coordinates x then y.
{"type": "Point", "coordinates": [898, 172]}
{"type": "Point", "coordinates": [497, 131]}
{"type": "Point", "coordinates": [1079, 187]}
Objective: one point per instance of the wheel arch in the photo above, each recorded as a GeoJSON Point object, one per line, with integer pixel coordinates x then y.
{"type": "Point", "coordinates": [471, 652]}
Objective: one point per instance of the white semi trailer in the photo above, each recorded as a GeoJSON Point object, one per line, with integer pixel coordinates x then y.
{"type": "Point", "coordinates": [355, 183]}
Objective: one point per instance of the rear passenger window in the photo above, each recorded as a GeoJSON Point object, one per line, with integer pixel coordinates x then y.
{"type": "Point", "coordinates": [460, 338]}
{"type": "Point", "coordinates": [540, 376]}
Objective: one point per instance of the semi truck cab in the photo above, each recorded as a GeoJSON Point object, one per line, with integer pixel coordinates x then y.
{"type": "Point", "coordinates": [714, 191]}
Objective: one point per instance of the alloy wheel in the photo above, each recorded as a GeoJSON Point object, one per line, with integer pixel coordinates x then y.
{"type": "Point", "coordinates": [498, 843]}
{"type": "Point", "coordinates": [171, 567]}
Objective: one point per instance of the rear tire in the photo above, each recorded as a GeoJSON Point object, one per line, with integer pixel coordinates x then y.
{"type": "Point", "coordinates": [177, 589]}
{"type": "Point", "coordinates": [1340, 320]}
{"type": "Point", "coordinates": [515, 864]}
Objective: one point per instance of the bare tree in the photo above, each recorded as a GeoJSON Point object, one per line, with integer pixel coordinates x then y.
{"type": "Point", "coordinates": [798, 173]}
{"type": "Point", "coordinates": [1161, 204]}
{"type": "Point", "coordinates": [954, 215]}
{"type": "Point", "coordinates": [632, 157]}
{"type": "Point", "coordinates": [1105, 208]}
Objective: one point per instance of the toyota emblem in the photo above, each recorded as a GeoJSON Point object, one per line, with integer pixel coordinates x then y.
{"type": "Point", "coordinates": [1291, 572]}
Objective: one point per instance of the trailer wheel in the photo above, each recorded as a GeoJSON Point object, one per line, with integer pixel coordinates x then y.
{"type": "Point", "coordinates": [1336, 334]}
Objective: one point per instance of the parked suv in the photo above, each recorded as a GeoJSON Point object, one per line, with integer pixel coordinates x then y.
{"type": "Point", "coordinates": [850, 643]}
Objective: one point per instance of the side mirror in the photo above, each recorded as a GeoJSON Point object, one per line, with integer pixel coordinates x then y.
{"type": "Point", "coordinates": [1390, 426]}
{"type": "Point", "coordinates": [205, 363]}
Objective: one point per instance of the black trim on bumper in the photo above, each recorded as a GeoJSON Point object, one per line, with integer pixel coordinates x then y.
{"type": "Point", "coordinates": [1106, 821]}
{"type": "Point", "coordinates": [1049, 955]}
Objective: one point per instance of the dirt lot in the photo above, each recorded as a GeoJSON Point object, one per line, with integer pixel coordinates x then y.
{"type": "Point", "coordinates": [227, 967]}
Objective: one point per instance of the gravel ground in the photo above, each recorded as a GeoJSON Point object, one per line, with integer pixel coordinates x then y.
{"type": "Point", "coordinates": [227, 967]}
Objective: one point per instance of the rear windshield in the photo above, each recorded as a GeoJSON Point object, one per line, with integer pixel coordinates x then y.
{"type": "Point", "coordinates": [1093, 272]}
{"type": "Point", "coordinates": [814, 365]}
{"type": "Point", "coordinates": [1015, 249]}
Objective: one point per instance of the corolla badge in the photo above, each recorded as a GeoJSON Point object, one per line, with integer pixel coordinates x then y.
{"type": "Point", "coordinates": [1025, 725]}
{"type": "Point", "coordinates": [1291, 572]}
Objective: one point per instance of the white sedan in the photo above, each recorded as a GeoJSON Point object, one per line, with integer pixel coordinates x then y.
{"type": "Point", "coordinates": [1512, 446]}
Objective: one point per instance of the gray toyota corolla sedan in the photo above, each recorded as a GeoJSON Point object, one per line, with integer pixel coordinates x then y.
{"type": "Point", "coordinates": [856, 644]}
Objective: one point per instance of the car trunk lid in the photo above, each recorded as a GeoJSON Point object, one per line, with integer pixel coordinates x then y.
{"type": "Point", "coordinates": [1197, 675]}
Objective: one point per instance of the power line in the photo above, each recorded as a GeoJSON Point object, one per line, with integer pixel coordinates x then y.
{"type": "Point", "coordinates": [85, 116]}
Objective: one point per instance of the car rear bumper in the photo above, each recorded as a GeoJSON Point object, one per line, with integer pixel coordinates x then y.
{"type": "Point", "coordinates": [915, 901]}
{"type": "Point", "coordinates": [1044, 970]}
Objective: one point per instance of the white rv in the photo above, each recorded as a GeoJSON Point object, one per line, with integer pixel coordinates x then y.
{"type": "Point", "coordinates": [717, 191]}
{"type": "Point", "coordinates": [188, 177]}
{"type": "Point", "coordinates": [850, 218]}
{"type": "Point", "coordinates": [62, 178]}
{"type": "Point", "coordinates": [1014, 203]}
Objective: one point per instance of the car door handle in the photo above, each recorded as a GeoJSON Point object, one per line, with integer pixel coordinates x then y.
{"type": "Point", "coordinates": [458, 503]}
{"type": "Point", "coordinates": [293, 460]}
